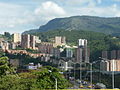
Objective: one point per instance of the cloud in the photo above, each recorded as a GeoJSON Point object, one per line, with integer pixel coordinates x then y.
{"type": "Point", "coordinates": [99, 1]}
{"type": "Point", "coordinates": [93, 9]}
{"type": "Point", "coordinates": [50, 9]}
{"type": "Point", "coordinates": [17, 17]}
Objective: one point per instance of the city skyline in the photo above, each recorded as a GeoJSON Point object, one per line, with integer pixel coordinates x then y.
{"type": "Point", "coordinates": [23, 15]}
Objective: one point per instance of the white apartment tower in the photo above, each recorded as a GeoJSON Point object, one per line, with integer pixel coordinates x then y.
{"type": "Point", "coordinates": [82, 52]}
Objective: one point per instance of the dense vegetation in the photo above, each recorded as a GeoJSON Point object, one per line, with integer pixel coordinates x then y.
{"type": "Point", "coordinates": [7, 36]}
{"type": "Point", "coordinates": [97, 42]}
{"type": "Point", "coordinates": [86, 23]}
{"type": "Point", "coordinates": [41, 79]}
{"type": "Point", "coordinates": [26, 59]}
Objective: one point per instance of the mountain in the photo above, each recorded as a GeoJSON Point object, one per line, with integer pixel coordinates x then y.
{"type": "Point", "coordinates": [85, 23]}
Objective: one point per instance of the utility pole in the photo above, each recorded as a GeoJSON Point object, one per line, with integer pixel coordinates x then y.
{"type": "Point", "coordinates": [80, 72]}
{"type": "Point", "coordinates": [55, 83]}
{"type": "Point", "coordinates": [91, 74]}
{"type": "Point", "coordinates": [113, 84]}
{"type": "Point", "coordinates": [74, 73]}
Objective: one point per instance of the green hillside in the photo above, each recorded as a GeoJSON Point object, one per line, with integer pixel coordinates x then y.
{"type": "Point", "coordinates": [86, 23]}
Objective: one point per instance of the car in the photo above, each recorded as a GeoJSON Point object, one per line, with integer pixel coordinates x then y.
{"type": "Point", "coordinates": [81, 86]}
{"type": "Point", "coordinates": [100, 86]}
{"type": "Point", "coordinates": [79, 81]}
{"type": "Point", "coordinates": [90, 86]}
{"type": "Point", "coordinates": [84, 82]}
{"type": "Point", "coordinates": [116, 88]}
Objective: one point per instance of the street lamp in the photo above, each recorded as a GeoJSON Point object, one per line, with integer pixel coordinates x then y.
{"type": "Point", "coordinates": [91, 74]}
{"type": "Point", "coordinates": [55, 80]}
{"type": "Point", "coordinates": [73, 69]}
{"type": "Point", "coordinates": [91, 70]}
{"type": "Point", "coordinates": [113, 84]}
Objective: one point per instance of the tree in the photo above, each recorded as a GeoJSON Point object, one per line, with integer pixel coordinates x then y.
{"type": "Point", "coordinates": [5, 68]}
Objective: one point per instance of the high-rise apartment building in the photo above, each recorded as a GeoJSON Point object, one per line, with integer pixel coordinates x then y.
{"type": "Point", "coordinates": [69, 52]}
{"type": "Point", "coordinates": [59, 40]}
{"type": "Point", "coordinates": [45, 48]}
{"type": "Point", "coordinates": [56, 52]}
{"type": "Point", "coordinates": [82, 42]}
{"type": "Point", "coordinates": [28, 41]}
{"type": "Point", "coordinates": [113, 54]}
{"type": "Point", "coordinates": [32, 41]}
{"type": "Point", "coordinates": [110, 65]}
{"type": "Point", "coordinates": [108, 55]}
{"type": "Point", "coordinates": [4, 45]}
{"type": "Point", "coordinates": [16, 37]}
{"type": "Point", "coordinates": [118, 54]}
{"type": "Point", "coordinates": [82, 52]}
{"type": "Point", "coordinates": [105, 54]}
{"type": "Point", "coordinates": [25, 41]}
{"type": "Point", "coordinates": [37, 40]}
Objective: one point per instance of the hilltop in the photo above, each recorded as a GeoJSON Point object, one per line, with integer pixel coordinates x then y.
{"type": "Point", "coordinates": [84, 23]}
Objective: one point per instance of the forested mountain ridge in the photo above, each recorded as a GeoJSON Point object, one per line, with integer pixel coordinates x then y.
{"type": "Point", "coordinates": [86, 23]}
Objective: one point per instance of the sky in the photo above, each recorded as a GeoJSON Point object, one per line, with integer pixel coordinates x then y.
{"type": "Point", "coordinates": [21, 15]}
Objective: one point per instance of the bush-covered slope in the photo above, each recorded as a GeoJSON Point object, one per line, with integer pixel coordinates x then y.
{"type": "Point", "coordinates": [87, 23]}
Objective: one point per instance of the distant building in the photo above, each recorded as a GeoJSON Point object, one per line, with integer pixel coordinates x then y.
{"type": "Point", "coordinates": [69, 52]}
{"type": "Point", "coordinates": [82, 42]}
{"type": "Point", "coordinates": [110, 65]}
{"type": "Point", "coordinates": [32, 41]}
{"type": "Point", "coordinates": [82, 52]}
{"type": "Point", "coordinates": [105, 66]}
{"type": "Point", "coordinates": [79, 55]}
{"type": "Point", "coordinates": [105, 54]}
{"type": "Point", "coordinates": [25, 41]}
{"type": "Point", "coordinates": [28, 41]}
{"type": "Point", "coordinates": [16, 37]}
{"type": "Point", "coordinates": [118, 54]}
{"type": "Point", "coordinates": [56, 53]}
{"type": "Point", "coordinates": [59, 40]}
{"type": "Point", "coordinates": [114, 54]}
{"type": "Point", "coordinates": [12, 45]}
{"type": "Point", "coordinates": [37, 40]}
{"type": "Point", "coordinates": [65, 64]}
{"type": "Point", "coordinates": [45, 48]}
{"type": "Point", "coordinates": [4, 45]}
{"type": "Point", "coordinates": [32, 66]}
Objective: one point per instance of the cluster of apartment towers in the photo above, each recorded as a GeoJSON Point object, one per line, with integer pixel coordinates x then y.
{"type": "Point", "coordinates": [80, 53]}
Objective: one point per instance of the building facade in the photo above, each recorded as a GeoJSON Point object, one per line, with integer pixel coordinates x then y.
{"type": "Point", "coordinates": [82, 52]}
{"type": "Point", "coordinates": [32, 41]}
{"type": "Point", "coordinates": [16, 37]}
{"type": "Point", "coordinates": [25, 41]}
{"type": "Point", "coordinates": [28, 41]}
{"type": "Point", "coordinates": [45, 48]}
{"type": "Point", "coordinates": [69, 52]}
{"type": "Point", "coordinates": [59, 40]}
{"type": "Point", "coordinates": [110, 65]}
{"type": "Point", "coordinates": [109, 55]}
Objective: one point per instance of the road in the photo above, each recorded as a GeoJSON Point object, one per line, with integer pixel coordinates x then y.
{"type": "Point", "coordinates": [77, 85]}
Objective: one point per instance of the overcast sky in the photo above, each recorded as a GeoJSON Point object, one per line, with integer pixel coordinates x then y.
{"type": "Point", "coordinates": [22, 15]}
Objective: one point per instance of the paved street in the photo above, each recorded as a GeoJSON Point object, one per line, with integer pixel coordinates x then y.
{"type": "Point", "coordinates": [77, 85]}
